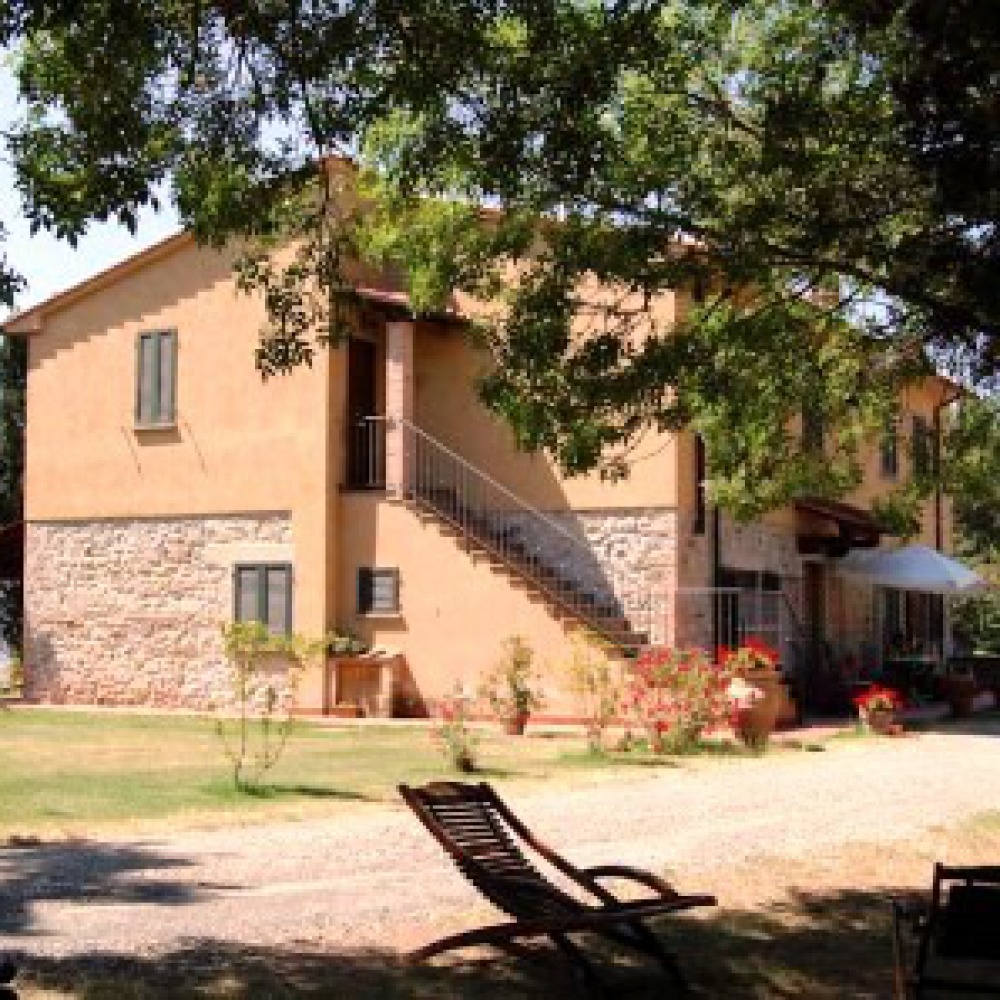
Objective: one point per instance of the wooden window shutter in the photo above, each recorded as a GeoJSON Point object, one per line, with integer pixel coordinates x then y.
{"type": "Point", "coordinates": [247, 587]}
{"type": "Point", "coordinates": [167, 377]}
{"type": "Point", "coordinates": [145, 393]}
{"type": "Point", "coordinates": [278, 599]}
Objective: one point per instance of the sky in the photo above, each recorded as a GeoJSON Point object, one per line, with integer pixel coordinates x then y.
{"type": "Point", "coordinates": [50, 265]}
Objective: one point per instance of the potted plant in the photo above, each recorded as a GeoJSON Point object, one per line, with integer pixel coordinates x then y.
{"type": "Point", "coordinates": [960, 692]}
{"type": "Point", "coordinates": [756, 663]}
{"type": "Point", "coordinates": [511, 687]}
{"type": "Point", "coordinates": [877, 707]}
{"type": "Point", "coordinates": [751, 728]}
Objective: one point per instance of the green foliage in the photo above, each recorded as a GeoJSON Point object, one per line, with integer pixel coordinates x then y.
{"type": "Point", "coordinates": [972, 475]}
{"type": "Point", "coordinates": [453, 734]}
{"type": "Point", "coordinates": [825, 172]}
{"type": "Point", "coordinates": [255, 740]}
{"type": "Point", "coordinates": [13, 388]}
{"type": "Point", "coordinates": [511, 687]}
{"type": "Point", "coordinates": [675, 695]}
{"type": "Point", "coordinates": [595, 681]}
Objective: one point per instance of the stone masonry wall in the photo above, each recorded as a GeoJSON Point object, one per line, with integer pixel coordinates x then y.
{"type": "Point", "coordinates": [752, 546]}
{"type": "Point", "coordinates": [624, 554]}
{"type": "Point", "coordinates": [128, 612]}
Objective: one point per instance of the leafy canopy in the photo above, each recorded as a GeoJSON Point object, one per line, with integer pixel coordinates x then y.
{"type": "Point", "coordinates": [818, 180]}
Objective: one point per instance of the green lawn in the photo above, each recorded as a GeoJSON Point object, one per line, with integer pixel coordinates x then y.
{"type": "Point", "coordinates": [71, 772]}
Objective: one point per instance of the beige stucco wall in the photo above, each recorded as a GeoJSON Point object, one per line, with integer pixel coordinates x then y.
{"type": "Point", "coordinates": [456, 608]}
{"type": "Point", "coordinates": [240, 445]}
{"type": "Point", "coordinates": [447, 369]}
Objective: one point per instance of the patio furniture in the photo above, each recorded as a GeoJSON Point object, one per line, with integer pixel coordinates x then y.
{"type": "Point", "coordinates": [481, 836]}
{"type": "Point", "coordinates": [957, 932]}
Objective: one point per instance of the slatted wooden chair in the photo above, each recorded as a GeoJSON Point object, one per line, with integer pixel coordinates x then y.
{"type": "Point", "coordinates": [960, 925]}
{"type": "Point", "coordinates": [480, 834]}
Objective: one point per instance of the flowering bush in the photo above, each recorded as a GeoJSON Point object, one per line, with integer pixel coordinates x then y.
{"type": "Point", "coordinates": [752, 654]}
{"type": "Point", "coordinates": [676, 694]}
{"type": "Point", "coordinates": [878, 699]}
{"type": "Point", "coordinates": [453, 735]}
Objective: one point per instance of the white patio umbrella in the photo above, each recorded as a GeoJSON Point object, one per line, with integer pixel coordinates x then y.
{"type": "Point", "coordinates": [913, 567]}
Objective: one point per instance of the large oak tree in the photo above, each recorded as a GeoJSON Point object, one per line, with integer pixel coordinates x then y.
{"type": "Point", "coordinates": [839, 160]}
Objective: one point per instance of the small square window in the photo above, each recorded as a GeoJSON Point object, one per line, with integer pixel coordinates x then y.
{"type": "Point", "coordinates": [378, 591]}
{"type": "Point", "coordinates": [262, 592]}
{"type": "Point", "coordinates": [156, 379]}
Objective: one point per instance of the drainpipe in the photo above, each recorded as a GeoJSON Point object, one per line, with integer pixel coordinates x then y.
{"type": "Point", "coordinates": [716, 575]}
{"type": "Point", "coordinates": [938, 496]}
{"type": "Point", "coordinates": [942, 627]}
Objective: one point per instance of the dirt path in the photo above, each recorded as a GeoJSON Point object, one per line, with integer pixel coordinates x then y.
{"type": "Point", "coordinates": [375, 878]}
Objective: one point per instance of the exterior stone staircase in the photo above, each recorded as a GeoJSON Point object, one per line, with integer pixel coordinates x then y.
{"type": "Point", "coordinates": [488, 519]}
{"type": "Point", "coordinates": [506, 545]}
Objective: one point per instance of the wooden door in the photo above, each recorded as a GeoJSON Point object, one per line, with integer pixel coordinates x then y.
{"type": "Point", "coordinates": [364, 463]}
{"type": "Point", "coordinates": [814, 587]}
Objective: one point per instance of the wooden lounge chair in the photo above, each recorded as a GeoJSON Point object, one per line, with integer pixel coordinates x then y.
{"type": "Point", "coordinates": [960, 925]}
{"type": "Point", "coordinates": [480, 834]}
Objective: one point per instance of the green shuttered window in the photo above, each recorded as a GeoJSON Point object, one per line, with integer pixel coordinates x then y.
{"type": "Point", "coordinates": [922, 445]}
{"type": "Point", "coordinates": [890, 451]}
{"type": "Point", "coordinates": [262, 592]}
{"type": "Point", "coordinates": [156, 379]}
{"type": "Point", "coordinates": [378, 591]}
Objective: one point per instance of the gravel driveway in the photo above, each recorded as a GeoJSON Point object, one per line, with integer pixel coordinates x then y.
{"type": "Point", "coordinates": [374, 877]}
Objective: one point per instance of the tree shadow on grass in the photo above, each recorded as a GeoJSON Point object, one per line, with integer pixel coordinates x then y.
{"type": "Point", "coordinates": [82, 870]}
{"type": "Point", "coordinates": [818, 946]}
{"type": "Point", "coordinates": [272, 792]}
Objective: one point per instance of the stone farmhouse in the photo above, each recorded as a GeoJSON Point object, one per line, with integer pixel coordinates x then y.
{"type": "Point", "coordinates": [169, 489]}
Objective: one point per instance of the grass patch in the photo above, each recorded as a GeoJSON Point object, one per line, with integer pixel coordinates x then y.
{"type": "Point", "coordinates": [69, 773]}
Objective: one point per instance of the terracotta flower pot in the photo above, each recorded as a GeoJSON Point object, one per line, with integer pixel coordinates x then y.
{"type": "Point", "coordinates": [756, 722]}
{"type": "Point", "coordinates": [514, 724]}
{"type": "Point", "coordinates": [881, 721]}
{"type": "Point", "coordinates": [960, 693]}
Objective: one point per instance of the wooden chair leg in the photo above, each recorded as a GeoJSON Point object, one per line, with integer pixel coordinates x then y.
{"type": "Point", "coordinates": [668, 961]}
{"type": "Point", "coordinates": [636, 935]}
{"type": "Point", "coordinates": [581, 966]}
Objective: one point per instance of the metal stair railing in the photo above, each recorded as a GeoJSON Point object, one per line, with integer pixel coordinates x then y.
{"type": "Point", "coordinates": [486, 515]}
